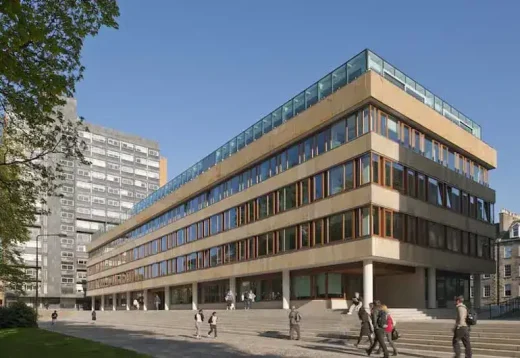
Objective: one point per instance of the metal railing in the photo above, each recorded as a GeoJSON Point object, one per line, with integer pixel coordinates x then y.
{"type": "Point", "coordinates": [501, 310]}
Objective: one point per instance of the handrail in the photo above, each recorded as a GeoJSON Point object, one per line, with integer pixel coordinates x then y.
{"type": "Point", "coordinates": [501, 309]}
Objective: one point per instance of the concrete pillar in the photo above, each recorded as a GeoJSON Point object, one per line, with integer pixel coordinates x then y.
{"type": "Point", "coordinates": [114, 302]}
{"type": "Point", "coordinates": [102, 302]}
{"type": "Point", "coordinates": [194, 295]}
{"type": "Point", "coordinates": [233, 286]}
{"type": "Point", "coordinates": [145, 300]}
{"type": "Point", "coordinates": [93, 300]}
{"type": "Point", "coordinates": [432, 288]}
{"type": "Point", "coordinates": [286, 289]}
{"type": "Point", "coordinates": [167, 298]}
{"type": "Point", "coordinates": [477, 291]}
{"type": "Point", "coordinates": [368, 282]}
{"type": "Point", "coordinates": [128, 303]}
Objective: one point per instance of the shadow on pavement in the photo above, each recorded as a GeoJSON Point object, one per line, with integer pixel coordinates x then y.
{"type": "Point", "coordinates": [351, 351]}
{"type": "Point", "coordinates": [148, 342]}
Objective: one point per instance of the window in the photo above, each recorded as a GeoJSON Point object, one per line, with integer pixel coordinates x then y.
{"type": "Point", "coordinates": [508, 251]}
{"type": "Point", "coordinates": [507, 270]}
{"type": "Point", "coordinates": [434, 192]}
{"type": "Point", "coordinates": [486, 291]}
{"type": "Point", "coordinates": [336, 178]}
{"type": "Point", "coordinates": [336, 228]}
{"type": "Point", "coordinates": [67, 280]}
{"type": "Point", "coordinates": [153, 152]}
{"type": "Point", "coordinates": [338, 134]}
{"type": "Point", "coordinates": [507, 290]}
{"type": "Point", "coordinates": [364, 169]}
{"type": "Point", "coordinates": [113, 166]}
{"type": "Point", "coordinates": [67, 267]}
{"type": "Point", "coordinates": [375, 168]}
{"type": "Point", "coordinates": [410, 183]}
{"type": "Point", "coordinates": [515, 230]}
{"type": "Point", "coordinates": [98, 188]}
{"type": "Point", "coordinates": [393, 132]}
{"type": "Point", "coordinates": [398, 177]}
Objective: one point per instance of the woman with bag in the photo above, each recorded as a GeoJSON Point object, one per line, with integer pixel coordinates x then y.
{"type": "Point", "coordinates": [390, 331]}
{"type": "Point", "coordinates": [366, 326]}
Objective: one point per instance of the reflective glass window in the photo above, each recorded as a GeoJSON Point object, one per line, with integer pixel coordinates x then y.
{"type": "Point", "coordinates": [338, 134]}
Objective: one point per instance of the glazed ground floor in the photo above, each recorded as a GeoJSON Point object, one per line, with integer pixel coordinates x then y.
{"type": "Point", "coordinates": [329, 287]}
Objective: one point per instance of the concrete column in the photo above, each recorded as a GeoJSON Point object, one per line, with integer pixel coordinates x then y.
{"type": "Point", "coordinates": [432, 288]}
{"type": "Point", "coordinates": [286, 289]}
{"type": "Point", "coordinates": [477, 291]}
{"type": "Point", "coordinates": [114, 302]}
{"type": "Point", "coordinates": [233, 285]}
{"type": "Point", "coordinates": [102, 302]}
{"type": "Point", "coordinates": [128, 303]}
{"type": "Point", "coordinates": [194, 295]}
{"type": "Point", "coordinates": [93, 299]}
{"type": "Point", "coordinates": [166, 298]}
{"type": "Point", "coordinates": [145, 300]}
{"type": "Point", "coordinates": [368, 282]}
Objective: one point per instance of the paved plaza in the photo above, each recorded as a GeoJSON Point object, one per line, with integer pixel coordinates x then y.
{"type": "Point", "coordinates": [157, 340]}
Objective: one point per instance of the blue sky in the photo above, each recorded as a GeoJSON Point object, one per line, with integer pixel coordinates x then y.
{"type": "Point", "coordinates": [193, 74]}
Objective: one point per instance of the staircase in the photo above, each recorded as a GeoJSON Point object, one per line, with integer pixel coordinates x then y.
{"type": "Point", "coordinates": [418, 331]}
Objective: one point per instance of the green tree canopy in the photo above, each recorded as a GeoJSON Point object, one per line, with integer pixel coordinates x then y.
{"type": "Point", "coordinates": [40, 64]}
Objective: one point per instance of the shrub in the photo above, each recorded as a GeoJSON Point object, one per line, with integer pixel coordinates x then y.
{"type": "Point", "coordinates": [17, 315]}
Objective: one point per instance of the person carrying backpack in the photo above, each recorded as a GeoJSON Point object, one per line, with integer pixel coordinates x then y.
{"type": "Point", "coordinates": [199, 318]}
{"type": "Point", "coordinates": [54, 317]}
{"type": "Point", "coordinates": [379, 321]}
{"type": "Point", "coordinates": [294, 323]}
{"type": "Point", "coordinates": [461, 330]}
{"type": "Point", "coordinates": [213, 324]}
{"type": "Point", "coordinates": [390, 326]}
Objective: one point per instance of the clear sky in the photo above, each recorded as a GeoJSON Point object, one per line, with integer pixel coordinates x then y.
{"type": "Point", "coordinates": [193, 74]}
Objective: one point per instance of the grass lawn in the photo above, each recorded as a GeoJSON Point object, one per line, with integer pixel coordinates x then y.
{"type": "Point", "coordinates": [35, 342]}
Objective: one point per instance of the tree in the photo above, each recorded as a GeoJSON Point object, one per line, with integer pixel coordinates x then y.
{"type": "Point", "coordinates": [40, 64]}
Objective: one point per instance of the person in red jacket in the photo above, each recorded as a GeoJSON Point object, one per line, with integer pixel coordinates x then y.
{"type": "Point", "coordinates": [390, 326]}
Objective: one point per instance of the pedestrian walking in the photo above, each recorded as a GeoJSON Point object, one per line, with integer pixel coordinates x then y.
{"type": "Point", "coordinates": [54, 317]}
{"type": "Point", "coordinates": [390, 326]}
{"type": "Point", "coordinates": [93, 316]}
{"type": "Point", "coordinates": [294, 323]}
{"type": "Point", "coordinates": [213, 324]}
{"type": "Point", "coordinates": [136, 304]}
{"type": "Point", "coordinates": [461, 330]}
{"type": "Point", "coordinates": [157, 302]}
{"type": "Point", "coordinates": [357, 302]}
{"type": "Point", "coordinates": [250, 299]}
{"type": "Point", "coordinates": [230, 298]}
{"type": "Point", "coordinates": [199, 318]}
{"type": "Point", "coordinates": [379, 322]}
{"type": "Point", "coordinates": [366, 326]}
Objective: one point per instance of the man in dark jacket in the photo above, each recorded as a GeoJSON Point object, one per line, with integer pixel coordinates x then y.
{"type": "Point", "coordinates": [379, 323]}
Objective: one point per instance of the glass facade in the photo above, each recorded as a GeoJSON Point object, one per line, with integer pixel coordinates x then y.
{"type": "Point", "coordinates": [344, 74]}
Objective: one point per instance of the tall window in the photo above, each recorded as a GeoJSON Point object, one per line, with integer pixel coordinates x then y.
{"type": "Point", "coordinates": [508, 251]}
{"type": "Point", "coordinates": [336, 178]}
{"type": "Point", "coordinates": [410, 183]}
{"type": "Point", "coordinates": [364, 169]}
{"type": "Point", "coordinates": [434, 192]}
{"type": "Point", "coordinates": [398, 177]}
{"type": "Point", "coordinates": [507, 270]}
{"type": "Point", "coordinates": [486, 291]}
{"type": "Point", "coordinates": [338, 134]}
{"type": "Point", "coordinates": [507, 290]}
{"type": "Point", "coordinates": [336, 228]}
{"type": "Point", "coordinates": [375, 168]}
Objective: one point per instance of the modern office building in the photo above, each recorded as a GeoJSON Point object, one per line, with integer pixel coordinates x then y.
{"type": "Point", "coordinates": [504, 284]}
{"type": "Point", "coordinates": [124, 169]}
{"type": "Point", "coordinates": [365, 181]}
